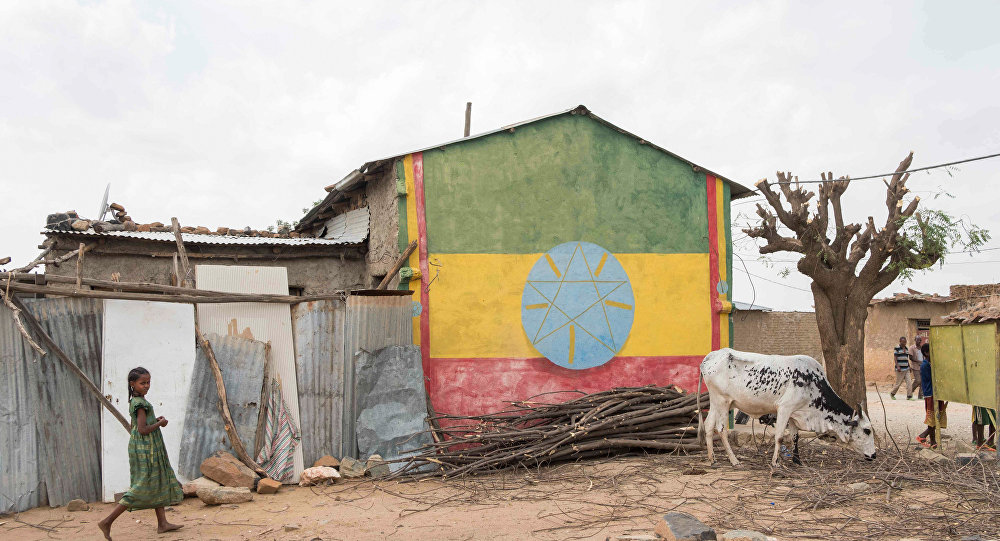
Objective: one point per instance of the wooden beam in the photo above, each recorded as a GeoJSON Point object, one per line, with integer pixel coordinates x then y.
{"type": "Point", "coordinates": [185, 266]}
{"type": "Point", "coordinates": [61, 355]}
{"type": "Point", "coordinates": [399, 264]}
{"type": "Point", "coordinates": [190, 298]}
{"type": "Point", "coordinates": [79, 266]}
{"type": "Point", "coordinates": [335, 252]}
{"type": "Point", "coordinates": [468, 118]}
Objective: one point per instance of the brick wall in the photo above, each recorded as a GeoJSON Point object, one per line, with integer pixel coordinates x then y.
{"type": "Point", "coordinates": [777, 333]}
{"type": "Point", "coordinates": [968, 295]}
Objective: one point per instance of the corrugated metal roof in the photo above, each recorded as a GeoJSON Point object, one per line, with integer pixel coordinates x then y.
{"type": "Point", "coordinates": [318, 331]}
{"type": "Point", "coordinates": [349, 227]}
{"type": "Point", "coordinates": [56, 453]}
{"type": "Point", "coordinates": [748, 307]}
{"type": "Point", "coordinates": [373, 322]}
{"type": "Point", "coordinates": [193, 238]}
{"type": "Point", "coordinates": [243, 364]}
{"type": "Point", "coordinates": [738, 190]}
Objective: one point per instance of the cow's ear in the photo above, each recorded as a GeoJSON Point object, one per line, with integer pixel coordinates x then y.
{"type": "Point", "coordinates": [853, 423]}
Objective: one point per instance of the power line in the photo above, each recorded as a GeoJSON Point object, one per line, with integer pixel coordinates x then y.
{"type": "Point", "coordinates": [967, 160]}
{"type": "Point", "coordinates": [772, 281]}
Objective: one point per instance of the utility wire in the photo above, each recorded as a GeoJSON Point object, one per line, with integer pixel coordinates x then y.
{"type": "Point", "coordinates": [772, 281]}
{"type": "Point", "coordinates": [967, 160]}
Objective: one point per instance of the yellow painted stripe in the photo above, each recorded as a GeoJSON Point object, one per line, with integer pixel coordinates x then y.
{"type": "Point", "coordinates": [412, 234]}
{"type": "Point", "coordinates": [618, 305]}
{"type": "Point", "coordinates": [600, 266]}
{"type": "Point", "coordinates": [481, 294]}
{"type": "Point", "coordinates": [553, 265]}
{"type": "Point", "coordinates": [724, 244]}
{"type": "Point", "coordinates": [572, 342]}
{"type": "Point", "coordinates": [537, 306]}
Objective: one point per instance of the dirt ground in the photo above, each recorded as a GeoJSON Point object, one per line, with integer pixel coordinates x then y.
{"type": "Point", "coordinates": [835, 495]}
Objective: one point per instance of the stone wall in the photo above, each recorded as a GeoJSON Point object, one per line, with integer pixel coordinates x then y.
{"type": "Point", "coordinates": [383, 243]}
{"type": "Point", "coordinates": [777, 333]}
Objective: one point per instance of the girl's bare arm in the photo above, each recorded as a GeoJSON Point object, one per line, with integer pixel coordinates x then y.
{"type": "Point", "coordinates": [144, 429]}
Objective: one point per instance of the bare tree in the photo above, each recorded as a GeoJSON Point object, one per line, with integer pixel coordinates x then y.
{"type": "Point", "coordinates": [843, 280]}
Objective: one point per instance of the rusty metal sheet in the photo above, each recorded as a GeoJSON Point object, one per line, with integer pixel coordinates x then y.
{"type": "Point", "coordinates": [243, 364]}
{"type": "Point", "coordinates": [50, 434]}
{"type": "Point", "coordinates": [373, 322]}
{"type": "Point", "coordinates": [318, 331]}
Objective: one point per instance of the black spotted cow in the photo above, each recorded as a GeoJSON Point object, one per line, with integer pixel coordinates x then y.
{"type": "Point", "coordinates": [793, 388]}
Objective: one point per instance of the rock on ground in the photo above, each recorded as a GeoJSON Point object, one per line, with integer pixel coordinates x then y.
{"type": "Point", "coordinates": [227, 470]}
{"type": "Point", "coordinates": [319, 475]}
{"type": "Point", "coordinates": [327, 461]}
{"type": "Point", "coordinates": [376, 466]}
{"type": "Point", "coordinates": [351, 468]}
{"type": "Point", "coordinates": [743, 535]}
{"type": "Point", "coordinates": [927, 454]}
{"type": "Point", "coordinates": [858, 488]}
{"type": "Point", "coordinates": [190, 488]}
{"type": "Point", "coordinates": [220, 495]}
{"type": "Point", "coordinates": [268, 486]}
{"type": "Point", "coordinates": [683, 527]}
{"type": "Point", "coordinates": [77, 505]}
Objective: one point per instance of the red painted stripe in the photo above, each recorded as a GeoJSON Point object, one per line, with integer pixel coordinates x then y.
{"type": "Point", "coordinates": [713, 260]}
{"type": "Point", "coordinates": [478, 386]}
{"type": "Point", "coordinates": [425, 316]}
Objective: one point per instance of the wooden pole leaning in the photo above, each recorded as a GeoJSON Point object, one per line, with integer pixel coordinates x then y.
{"type": "Point", "coordinates": [72, 366]}
{"type": "Point", "coordinates": [399, 264]}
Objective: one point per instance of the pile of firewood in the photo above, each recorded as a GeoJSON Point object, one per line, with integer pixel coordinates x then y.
{"type": "Point", "coordinates": [531, 433]}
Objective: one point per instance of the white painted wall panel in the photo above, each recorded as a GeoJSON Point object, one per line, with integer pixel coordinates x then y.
{"type": "Point", "coordinates": [159, 337]}
{"type": "Point", "coordinates": [259, 321]}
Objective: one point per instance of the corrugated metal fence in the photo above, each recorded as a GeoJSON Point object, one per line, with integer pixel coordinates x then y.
{"type": "Point", "coordinates": [50, 431]}
{"type": "Point", "coordinates": [375, 319]}
{"type": "Point", "coordinates": [318, 330]}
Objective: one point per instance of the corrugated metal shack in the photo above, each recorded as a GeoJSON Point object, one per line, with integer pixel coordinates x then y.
{"type": "Point", "coordinates": [50, 434]}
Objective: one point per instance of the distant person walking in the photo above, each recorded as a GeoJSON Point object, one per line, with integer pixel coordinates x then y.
{"type": "Point", "coordinates": [901, 358]}
{"type": "Point", "coordinates": [916, 358]}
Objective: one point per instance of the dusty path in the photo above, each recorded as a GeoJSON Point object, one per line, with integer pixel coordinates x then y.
{"type": "Point", "coordinates": [605, 499]}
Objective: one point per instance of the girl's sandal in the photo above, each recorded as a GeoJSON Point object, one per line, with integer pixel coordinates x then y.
{"type": "Point", "coordinates": [921, 439]}
{"type": "Point", "coordinates": [928, 445]}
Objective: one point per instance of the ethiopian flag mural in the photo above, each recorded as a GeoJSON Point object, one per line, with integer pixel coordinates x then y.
{"type": "Point", "coordinates": [563, 254]}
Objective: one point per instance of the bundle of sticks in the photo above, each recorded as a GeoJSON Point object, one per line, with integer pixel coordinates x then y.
{"type": "Point", "coordinates": [532, 433]}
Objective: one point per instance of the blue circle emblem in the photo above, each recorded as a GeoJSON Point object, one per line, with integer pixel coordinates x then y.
{"type": "Point", "coordinates": [577, 306]}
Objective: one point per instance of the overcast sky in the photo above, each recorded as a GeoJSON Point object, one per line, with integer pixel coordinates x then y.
{"type": "Point", "coordinates": [227, 114]}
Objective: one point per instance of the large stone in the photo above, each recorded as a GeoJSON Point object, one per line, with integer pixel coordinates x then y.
{"type": "Point", "coordinates": [77, 505]}
{"type": "Point", "coordinates": [221, 495]}
{"type": "Point", "coordinates": [191, 487]}
{"type": "Point", "coordinates": [927, 454]}
{"type": "Point", "coordinates": [227, 470]}
{"type": "Point", "coordinates": [318, 475]}
{"type": "Point", "coordinates": [328, 461]}
{"type": "Point", "coordinates": [351, 468]}
{"type": "Point", "coordinates": [81, 225]}
{"type": "Point", "coordinates": [268, 486]}
{"type": "Point", "coordinates": [743, 535]}
{"type": "Point", "coordinates": [376, 466]}
{"type": "Point", "coordinates": [858, 488]}
{"type": "Point", "coordinates": [676, 526]}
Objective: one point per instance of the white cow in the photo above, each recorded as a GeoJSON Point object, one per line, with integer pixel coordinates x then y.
{"type": "Point", "coordinates": [794, 388]}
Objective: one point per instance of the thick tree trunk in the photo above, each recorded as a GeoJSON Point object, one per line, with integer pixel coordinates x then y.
{"type": "Point", "coordinates": [841, 321]}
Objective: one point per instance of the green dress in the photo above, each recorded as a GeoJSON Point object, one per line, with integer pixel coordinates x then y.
{"type": "Point", "coordinates": [153, 481]}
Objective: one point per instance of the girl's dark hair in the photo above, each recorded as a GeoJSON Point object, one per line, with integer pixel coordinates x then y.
{"type": "Point", "coordinates": [925, 350]}
{"type": "Point", "coordinates": [133, 375]}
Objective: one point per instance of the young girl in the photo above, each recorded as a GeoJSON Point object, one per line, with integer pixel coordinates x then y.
{"type": "Point", "coordinates": [153, 482]}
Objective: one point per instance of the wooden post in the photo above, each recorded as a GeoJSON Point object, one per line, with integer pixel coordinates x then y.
{"type": "Point", "coordinates": [399, 264]}
{"type": "Point", "coordinates": [47, 340]}
{"type": "Point", "coordinates": [468, 118]}
{"type": "Point", "coordinates": [996, 367]}
{"type": "Point", "coordinates": [180, 250]}
{"type": "Point", "coordinates": [227, 417]}
{"type": "Point", "coordinates": [937, 423]}
{"type": "Point", "coordinates": [79, 267]}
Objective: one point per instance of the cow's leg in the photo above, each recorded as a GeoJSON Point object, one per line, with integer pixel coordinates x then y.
{"type": "Point", "coordinates": [795, 439]}
{"type": "Point", "coordinates": [725, 437]}
{"type": "Point", "coordinates": [710, 433]}
{"type": "Point", "coordinates": [779, 431]}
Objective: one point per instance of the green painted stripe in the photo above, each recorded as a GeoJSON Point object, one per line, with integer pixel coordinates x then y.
{"type": "Point", "coordinates": [404, 240]}
{"type": "Point", "coordinates": [558, 180]}
{"type": "Point", "coordinates": [727, 202]}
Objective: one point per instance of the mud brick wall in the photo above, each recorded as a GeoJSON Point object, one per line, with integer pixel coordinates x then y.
{"type": "Point", "coordinates": [777, 333]}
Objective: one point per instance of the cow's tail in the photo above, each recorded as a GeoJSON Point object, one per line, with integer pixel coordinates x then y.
{"type": "Point", "coordinates": [697, 400]}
